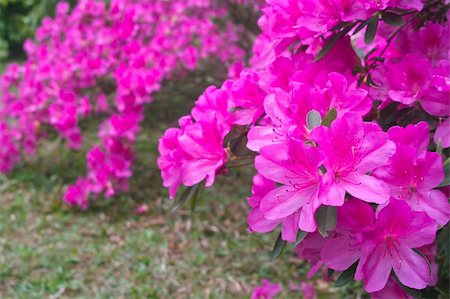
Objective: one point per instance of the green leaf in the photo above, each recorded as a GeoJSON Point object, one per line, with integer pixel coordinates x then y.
{"type": "Point", "coordinates": [412, 292]}
{"type": "Point", "coordinates": [392, 18]}
{"type": "Point", "coordinates": [346, 276]}
{"type": "Point", "coordinates": [195, 198]}
{"type": "Point", "coordinates": [332, 41]}
{"type": "Point", "coordinates": [300, 237]}
{"type": "Point", "coordinates": [439, 147]}
{"type": "Point", "coordinates": [313, 119]}
{"type": "Point", "coordinates": [360, 27]}
{"type": "Point", "coordinates": [326, 219]}
{"type": "Point", "coordinates": [187, 194]}
{"type": "Point", "coordinates": [446, 181]}
{"type": "Point", "coordinates": [371, 30]}
{"type": "Point", "coordinates": [278, 248]}
{"type": "Point", "coordinates": [330, 272]}
{"type": "Point", "coordinates": [329, 117]}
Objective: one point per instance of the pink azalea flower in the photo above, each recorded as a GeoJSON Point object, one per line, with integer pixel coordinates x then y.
{"type": "Point", "coordinates": [247, 98]}
{"type": "Point", "coordinates": [384, 246]}
{"type": "Point", "coordinates": [413, 174]}
{"type": "Point", "coordinates": [256, 220]}
{"type": "Point", "coordinates": [171, 159]}
{"type": "Point", "coordinates": [266, 290]}
{"type": "Point", "coordinates": [142, 209]}
{"type": "Point", "coordinates": [203, 144]}
{"type": "Point", "coordinates": [354, 219]}
{"type": "Point", "coordinates": [391, 290]}
{"type": "Point", "coordinates": [77, 194]}
{"type": "Point", "coordinates": [295, 166]}
{"type": "Point", "coordinates": [408, 79]}
{"type": "Point", "coordinates": [352, 148]}
{"type": "Point", "coordinates": [213, 101]}
{"type": "Point", "coordinates": [397, 231]}
{"type": "Point", "coordinates": [442, 134]}
{"type": "Point", "coordinates": [310, 250]}
{"type": "Point", "coordinates": [306, 288]}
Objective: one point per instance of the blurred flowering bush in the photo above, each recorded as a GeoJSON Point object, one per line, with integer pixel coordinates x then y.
{"type": "Point", "coordinates": [109, 59]}
{"type": "Point", "coordinates": [343, 111]}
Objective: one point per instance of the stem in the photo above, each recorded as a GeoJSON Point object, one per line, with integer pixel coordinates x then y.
{"type": "Point", "coordinates": [394, 34]}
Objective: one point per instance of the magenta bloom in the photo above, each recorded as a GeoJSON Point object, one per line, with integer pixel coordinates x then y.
{"type": "Point", "coordinates": [266, 290]}
{"type": "Point", "coordinates": [442, 134]}
{"type": "Point", "coordinates": [397, 232]}
{"type": "Point", "coordinates": [409, 79]}
{"type": "Point", "coordinates": [310, 250]}
{"type": "Point", "coordinates": [295, 166]}
{"type": "Point", "coordinates": [382, 247]}
{"type": "Point", "coordinates": [391, 290]}
{"type": "Point", "coordinates": [170, 160]}
{"type": "Point", "coordinates": [355, 218]}
{"type": "Point", "coordinates": [77, 194]}
{"type": "Point", "coordinates": [202, 142]}
{"type": "Point", "coordinates": [413, 172]}
{"type": "Point", "coordinates": [308, 290]}
{"type": "Point", "coordinates": [352, 148]}
{"type": "Point", "coordinates": [247, 98]}
{"type": "Point", "coordinates": [256, 220]}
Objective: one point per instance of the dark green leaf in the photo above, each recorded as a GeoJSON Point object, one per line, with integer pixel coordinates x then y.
{"type": "Point", "coordinates": [300, 237]}
{"type": "Point", "coordinates": [392, 18]}
{"type": "Point", "coordinates": [195, 198]}
{"type": "Point", "coordinates": [446, 181]}
{"type": "Point", "coordinates": [278, 248]}
{"type": "Point", "coordinates": [332, 41]}
{"type": "Point", "coordinates": [439, 147]}
{"type": "Point", "coordinates": [313, 119]}
{"type": "Point", "coordinates": [185, 196]}
{"type": "Point", "coordinates": [330, 272]}
{"type": "Point", "coordinates": [328, 46]}
{"type": "Point", "coordinates": [360, 27]}
{"type": "Point", "coordinates": [371, 30]}
{"type": "Point", "coordinates": [412, 292]}
{"type": "Point", "coordinates": [329, 117]}
{"type": "Point", "coordinates": [326, 219]}
{"type": "Point", "coordinates": [346, 276]}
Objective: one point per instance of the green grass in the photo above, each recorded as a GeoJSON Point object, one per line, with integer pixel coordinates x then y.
{"type": "Point", "coordinates": [48, 250]}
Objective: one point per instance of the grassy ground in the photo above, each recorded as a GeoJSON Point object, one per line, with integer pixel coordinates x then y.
{"type": "Point", "coordinates": [48, 250]}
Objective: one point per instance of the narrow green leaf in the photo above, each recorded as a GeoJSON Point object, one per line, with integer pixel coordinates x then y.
{"type": "Point", "coordinates": [439, 147]}
{"type": "Point", "coordinates": [195, 198]}
{"type": "Point", "coordinates": [346, 276]}
{"type": "Point", "coordinates": [371, 30]}
{"type": "Point", "coordinates": [360, 27]}
{"type": "Point", "coordinates": [185, 196]}
{"type": "Point", "coordinates": [300, 237]}
{"type": "Point", "coordinates": [326, 219]}
{"type": "Point", "coordinates": [329, 117]}
{"type": "Point", "coordinates": [446, 181]}
{"type": "Point", "coordinates": [332, 41]}
{"type": "Point", "coordinates": [327, 48]}
{"type": "Point", "coordinates": [392, 18]}
{"type": "Point", "coordinates": [313, 119]}
{"type": "Point", "coordinates": [412, 292]}
{"type": "Point", "coordinates": [278, 248]}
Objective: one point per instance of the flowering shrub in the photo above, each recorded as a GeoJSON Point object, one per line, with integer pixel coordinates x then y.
{"type": "Point", "coordinates": [343, 109]}
{"type": "Point", "coordinates": [108, 59]}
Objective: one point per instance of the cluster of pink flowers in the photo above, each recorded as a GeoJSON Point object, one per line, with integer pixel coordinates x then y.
{"type": "Point", "coordinates": [268, 290]}
{"type": "Point", "coordinates": [345, 106]}
{"type": "Point", "coordinates": [105, 60]}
